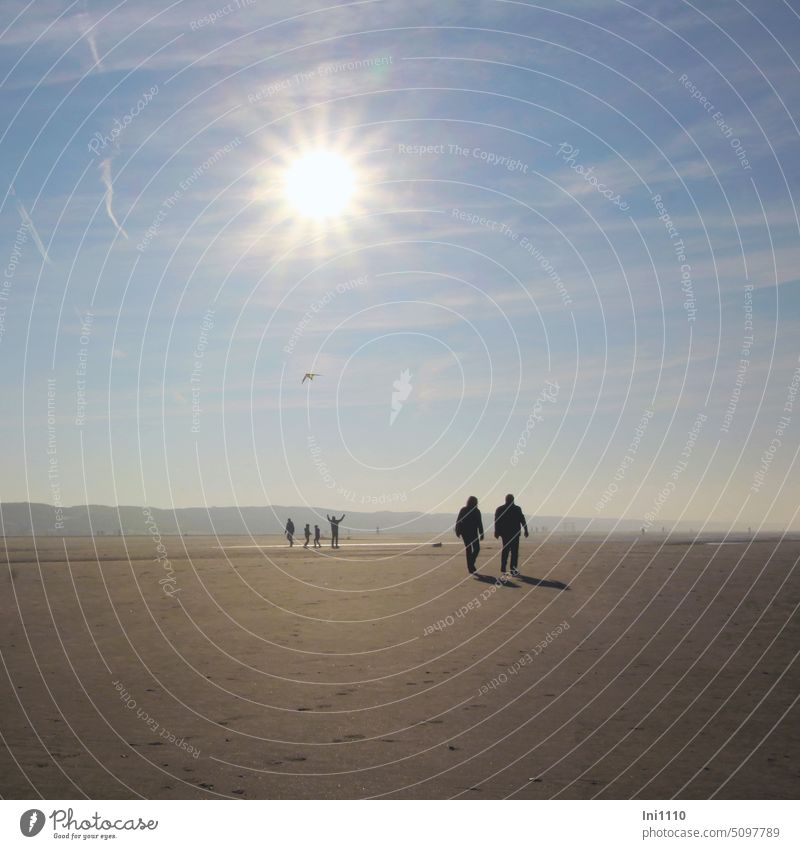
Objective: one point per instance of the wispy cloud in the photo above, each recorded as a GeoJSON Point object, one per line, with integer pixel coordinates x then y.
{"type": "Point", "coordinates": [105, 176]}
{"type": "Point", "coordinates": [28, 222]}
{"type": "Point", "coordinates": [87, 26]}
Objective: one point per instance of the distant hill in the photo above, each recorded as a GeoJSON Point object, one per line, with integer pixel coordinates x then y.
{"type": "Point", "coordinates": [27, 519]}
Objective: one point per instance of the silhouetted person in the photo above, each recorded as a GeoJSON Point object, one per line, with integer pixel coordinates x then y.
{"type": "Point", "coordinates": [469, 526]}
{"type": "Point", "coordinates": [307, 532]}
{"type": "Point", "coordinates": [508, 519]}
{"type": "Point", "coordinates": [317, 543]}
{"type": "Point", "coordinates": [290, 532]}
{"type": "Point", "coordinates": [335, 529]}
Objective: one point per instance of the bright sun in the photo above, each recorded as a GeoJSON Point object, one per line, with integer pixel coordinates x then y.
{"type": "Point", "coordinates": [320, 184]}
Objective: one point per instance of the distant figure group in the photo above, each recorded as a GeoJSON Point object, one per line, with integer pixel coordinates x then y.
{"type": "Point", "coordinates": [509, 520]}
{"type": "Point", "coordinates": [289, 532]}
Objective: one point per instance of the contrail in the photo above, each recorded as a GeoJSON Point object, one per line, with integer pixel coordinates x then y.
{"type": "Point", "coordinates": [88, 34]}
{"type": "Point", "coordinates": [28, 222]}
{"type": "Point", "coordinates": [105, 176]}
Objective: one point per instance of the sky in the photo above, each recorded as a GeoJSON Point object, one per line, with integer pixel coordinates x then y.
{"type": "Point", "coordinates": [569, 268]}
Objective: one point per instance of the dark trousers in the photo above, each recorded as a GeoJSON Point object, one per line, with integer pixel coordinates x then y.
{"type": "Point", "coordinates": [510, 547]}
{"type": "Point", "coordinates": [334, 537]}
{"type": "Point", "coordinates": [472, 548]}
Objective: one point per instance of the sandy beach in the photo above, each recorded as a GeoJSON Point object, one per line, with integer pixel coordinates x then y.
{"type": "Point", "coordinates": [238, 668]}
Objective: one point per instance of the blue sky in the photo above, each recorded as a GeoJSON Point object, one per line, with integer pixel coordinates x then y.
{"type": "Point", "coordinates": [538, 255]}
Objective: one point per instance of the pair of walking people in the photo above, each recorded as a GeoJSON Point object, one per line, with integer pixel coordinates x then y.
{"type": "Point", "coordinates": [509, 520]}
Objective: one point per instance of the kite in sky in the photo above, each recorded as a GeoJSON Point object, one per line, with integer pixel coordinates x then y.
{"type": "Point", "coordinates": [310, 375]}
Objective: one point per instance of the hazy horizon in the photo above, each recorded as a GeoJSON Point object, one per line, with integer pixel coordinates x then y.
{"type": "Point", "coordinates": [569, 524]}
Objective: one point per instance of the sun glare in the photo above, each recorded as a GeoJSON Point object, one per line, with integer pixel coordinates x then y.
{"type": "Point", "coordinates": [320, 184]}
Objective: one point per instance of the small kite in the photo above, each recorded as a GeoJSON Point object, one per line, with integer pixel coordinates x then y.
{"type": "Point", "coordinates": [310, 375]}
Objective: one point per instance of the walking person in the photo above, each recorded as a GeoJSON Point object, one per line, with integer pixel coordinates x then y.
{"type": "Point", "coordinates": [469, 526]}
{"type": "Point", "coordinates": [317, 543]}
{"type": "Point", "coordinates": [307, 532]}
{"type": "Point", "coordinates": [335, 529]}
{"type": "Point", "coordinates": [290, 532]}
{"type": "Point", "coordinates": [508, 519]}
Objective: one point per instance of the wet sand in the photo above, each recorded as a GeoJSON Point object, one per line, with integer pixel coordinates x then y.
{"type": "Point", "coordinates": [219, 669]}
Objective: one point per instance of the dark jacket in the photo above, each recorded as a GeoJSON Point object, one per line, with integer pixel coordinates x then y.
{"type": "Point", "coordinates": [290, 527]}
{"type": "Point", "coordinates": [508, 519]}
{"type": "Point", "coordinates": [469, 524]}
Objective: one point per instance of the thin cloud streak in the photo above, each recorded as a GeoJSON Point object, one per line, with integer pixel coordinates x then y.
{"type": "Point", "coordinates": [28, 222]}
{"type": "Point", "coordinates": [87, 27]}
{"type": "Point", "coordinates": [105, 176]}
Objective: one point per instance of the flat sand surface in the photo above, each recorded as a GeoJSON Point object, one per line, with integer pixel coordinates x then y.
{"type": "Point", "coordinates": [622, 669]}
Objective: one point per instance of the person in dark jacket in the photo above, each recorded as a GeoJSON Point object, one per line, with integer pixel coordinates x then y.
{"type": "Point", "coordinates": [290, 532]}
{"type": "Point", "coordinates": [335, 528]}
{"type": "Point", "coordinates": [307, 532]}
{"type": "Point", "coordinates": [508, 520]}
{"type": "Point", "coordinates": [317, 543]}
{"type": "Point", "coordinates": [469, 526]}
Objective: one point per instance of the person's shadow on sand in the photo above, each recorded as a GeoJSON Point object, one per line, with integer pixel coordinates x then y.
{"type": "Point", "coordinates": [541, 582]}
{"type": "Point", "coordinates": [488, 579]}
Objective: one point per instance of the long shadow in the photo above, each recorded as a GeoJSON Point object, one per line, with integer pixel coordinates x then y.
{"type": "Point", "coordinates": [541, 582]}
{"type": "Point", "coordinates": [488, 579]}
